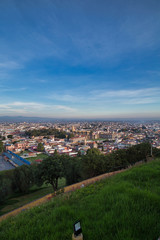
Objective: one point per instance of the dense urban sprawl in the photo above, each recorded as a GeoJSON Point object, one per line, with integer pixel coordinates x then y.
{"type": "Point", "coordinates": [34, 141]}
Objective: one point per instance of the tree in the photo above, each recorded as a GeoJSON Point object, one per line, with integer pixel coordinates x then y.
{"type": "Point", "coordinates": [72, 168]}
{"type": "Point", "coordinates": [46, 132]}
{"type": "Point", "coordinates": [23, 178]}
{"type": "Point", "coordinates": [70, 135]}
{"type": "Point", "coordinates": [5, 186]}
{"type": "Point", "coordinates": [52, 170]}
{"type": "Point", "coordinates": [36, 172]}
{"type": "Point", "coordinates": [119, 158]}
{"type": "Point", "coordinates": [79, 153]}
{"type": "Point", "coordinates": [93, 163]}
{"type": "Point", "coordinates": [93, 151]}
{"type": "Point", "coordinates": [55, 153]}
{"type": "Point", "coordinates": [10, 136]}
{"type": "Point", "coordinates": [40, 147]}
{"type": "Point", "coordinates": [1, 146]}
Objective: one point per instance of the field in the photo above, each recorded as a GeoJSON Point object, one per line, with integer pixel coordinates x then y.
{"type": "Point", "coordinates": [123, 207]}
{"type": "Point", "coordinates": [32, 159]}
{"type": "Point", "coordinates": [39, 156]}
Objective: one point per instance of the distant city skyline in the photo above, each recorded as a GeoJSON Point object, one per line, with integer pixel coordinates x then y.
{"type": "Point", "coordinates": [80, 59]}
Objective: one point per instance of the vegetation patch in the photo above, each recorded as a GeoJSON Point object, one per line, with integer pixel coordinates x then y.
{"type": "Point", "coordinates": [19, 199]}
{"type": "Point", "coordinates": [125, 206]}
{"type": "Point", "coordinates": [41, 156]}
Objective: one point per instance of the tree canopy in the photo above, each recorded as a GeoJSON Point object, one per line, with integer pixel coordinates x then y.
{"type": "Point", "coordinates": [51, 170]}
{"type": "Point", "coordinates": [74, 169]}
{"type": "Point", "coordinates": [40, 147]}
{"type": "Point", "coordinates": [1, 146]}
{"type": "Point", "coordinates": [10, 136]}
{"type": "Point", "coordinates": [23, 178]}
{"type": "Point", "coordinates": [46, 132]}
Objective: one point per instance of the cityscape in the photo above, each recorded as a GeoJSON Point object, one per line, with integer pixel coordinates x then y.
{"type": "Point", "coordinates": [75, 138]}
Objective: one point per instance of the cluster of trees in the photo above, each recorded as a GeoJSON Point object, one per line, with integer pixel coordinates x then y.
{"type": "Point", "coordinates": [72, 169]}
{"type": "Point", "coordinates": [10, 136]}
{"type": "Point", "coordinates": [40, 147]}
{"type": "Point", "coordinates": [18, 180]}
{"type": "Point", "coordinates": [95, 163]}
{"type": "Point", "coordinates": [46, 132]}
{"type": "Point", "coordinates": [21, 179]}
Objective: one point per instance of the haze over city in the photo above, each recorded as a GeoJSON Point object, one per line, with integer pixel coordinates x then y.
{"type": "Point", "coordinates": [80, 59]}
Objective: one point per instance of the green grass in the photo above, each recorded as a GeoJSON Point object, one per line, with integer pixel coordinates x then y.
{"type": "Point", "coordinates": [32, 159]}
{"type": "Point", "coordinates": [25, 151]}
{"type": "Point", "coordinates": [123, 207]}
{"type": "Point", "coordinates": [39, 156]}
{"type": "Point", "coordinates": [19, 200]}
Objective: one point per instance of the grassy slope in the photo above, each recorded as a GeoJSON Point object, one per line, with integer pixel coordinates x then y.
{"type": "Point", "coordinates": [124, 207]}
{"type": "Point", "coordinates": [19, 200]}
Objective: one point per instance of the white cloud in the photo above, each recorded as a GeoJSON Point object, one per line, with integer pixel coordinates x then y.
{"type": "Point", "coordinates": [34, 108]}
{"type": "Point", "coordinates": [66, 97]}
{"type": "Point", "coordinates": [101, 97]}
{"type": "Point", "coordinates": [128, 93]}
{"type": "Point", "coordinates": [142, 101]}
{"type": "Point", "coordinates": [10, 65]}
{"type": "Point", "coordinates": [138, 96]}
{"type": "Point", "coordinates": [65, 108]}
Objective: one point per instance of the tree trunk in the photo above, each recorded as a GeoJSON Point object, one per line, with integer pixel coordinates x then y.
{"type": "Point", "coordinates": [54, 186]}
{"type": "Point", "coordinates": [56, 183]}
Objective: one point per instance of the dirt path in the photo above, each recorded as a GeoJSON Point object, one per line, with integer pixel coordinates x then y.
{"type": "Point", "coordinates": [66, 189]}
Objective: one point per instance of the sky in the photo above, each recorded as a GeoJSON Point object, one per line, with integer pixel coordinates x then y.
{"type": "Point", "coordinates": [80, 58]}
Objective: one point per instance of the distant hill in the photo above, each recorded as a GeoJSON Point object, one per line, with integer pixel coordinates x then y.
{"type": "Point", "coordinates": [25, 119]}
{"type": "Point", "coordinates": [123, 207]}
{"type": "Point", "coordinates": [16, 119]}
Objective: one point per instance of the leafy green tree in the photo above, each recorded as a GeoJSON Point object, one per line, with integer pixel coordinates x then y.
{"type": "Point", "coordinates": [52, 170]}
{"type": "Point", "coordinates": [1, 146]}
{"type": "Point", "coordinates": [92, 163]}
{"type": "Point", "coordinates": [56, 153]}
{"type": "Point", "coordinates": [10, 136]}
{"type": "Point", "coordinates": [37, 173]}
{"type": "Point", "coordinates": [40, 147]}
{"type": "Point", "coordinates": [23, 177]}
{"type": "Point", "coordinates": [93, 151]}
{"type": "Point", "coordinates": [119, 159]}
{"type": "Point", "coordinates": [138, 152]}
{"type": "Point", "coordinates": [5, 188]}
{"type": "Point", "coordinates": [79, 153]}
{"type": "Point", "coordinates": [72, 169]}
{"type": "Point", "coordinates": [46, 132]}
{"type": "Point", "coordinates": [109, 163]}
{"type": "Point", "coordinates": [70, 135]}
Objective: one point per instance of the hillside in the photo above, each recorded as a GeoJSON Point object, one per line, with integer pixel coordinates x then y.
{"type": "Point", "coordinates": [123, 207]}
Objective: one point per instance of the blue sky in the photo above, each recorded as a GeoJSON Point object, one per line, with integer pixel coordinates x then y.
{"type": "Point", "coordinates": [81, 59]}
